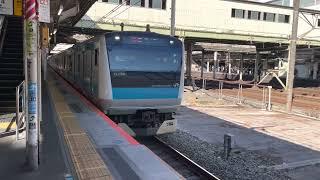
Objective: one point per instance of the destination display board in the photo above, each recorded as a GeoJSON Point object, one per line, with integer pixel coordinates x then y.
{"type": "Point", "coordinates": [6, 7]}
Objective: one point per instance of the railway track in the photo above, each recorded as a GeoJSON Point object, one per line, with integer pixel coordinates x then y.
{"type": "Point", "coordinates": [179, 162]}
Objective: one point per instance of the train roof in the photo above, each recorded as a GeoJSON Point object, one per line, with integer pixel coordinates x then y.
{"type": "Point", "coordinates": [136, 33]}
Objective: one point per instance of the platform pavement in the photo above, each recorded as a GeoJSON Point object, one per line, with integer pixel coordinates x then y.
{"type": "Point", "coordinates": [293, 140]}
{"type": "Point", "coordinates": [52, 161]}
{"type": "Point", "coordinates": [7, 123]}
{"type": "Point", "coordinates": [123, 157]}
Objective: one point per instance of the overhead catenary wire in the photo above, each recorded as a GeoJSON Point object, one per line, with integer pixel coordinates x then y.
{"type": "Point", "coordinates": [100, 20]}
{"type": "Point", "coordinates": [123, 11]}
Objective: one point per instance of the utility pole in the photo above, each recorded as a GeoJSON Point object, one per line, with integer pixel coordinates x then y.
{"type": "Point", "coordinates": [241, 66]}
{"type": "Point", "coordinates": [173, 17]}
{"type": "Point", "coordinates": [215, 64]}
{"type": "Point", "coordinates": [31, 59]}
{"type": "Point", "coordinates": [292, 54]}
{"type": "Point", "coordinates": [189, 62]}
{"type": "Point", "coordinates": [202, 63]}
{"type": "Point", "coordinates": [256, 67]}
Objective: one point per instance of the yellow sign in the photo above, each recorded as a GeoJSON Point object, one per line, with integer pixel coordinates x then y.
{"type": "Point", "coordinates": [45, 36]}
{"type": "Point", "coordinates": [17, 4]}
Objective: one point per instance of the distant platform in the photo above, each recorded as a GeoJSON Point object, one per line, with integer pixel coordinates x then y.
{"type": "Point", "coordinates": [292, 140]}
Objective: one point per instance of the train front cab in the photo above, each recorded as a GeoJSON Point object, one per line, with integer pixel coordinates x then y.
{"type": "Point", "coordinates": [146, 81]}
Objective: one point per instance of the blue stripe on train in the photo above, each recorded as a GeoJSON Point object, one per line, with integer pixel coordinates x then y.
{"type": "Point", "coordinates": [145, 93]}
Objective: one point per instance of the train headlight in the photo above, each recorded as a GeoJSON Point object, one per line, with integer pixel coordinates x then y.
{"type": "Point", "coordinates": [171, 42]}
{"type": "Point", "coordinates": [117, 38]}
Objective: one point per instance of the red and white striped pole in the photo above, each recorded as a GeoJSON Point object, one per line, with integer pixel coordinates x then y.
{"type": "Point", "coordinates": [31, 59]}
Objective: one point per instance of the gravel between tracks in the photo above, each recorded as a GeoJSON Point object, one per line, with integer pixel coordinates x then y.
{"type": "Point", "coordinates": [242, 164]}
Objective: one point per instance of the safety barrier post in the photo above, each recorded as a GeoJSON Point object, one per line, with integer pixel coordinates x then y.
{"type": "Point", "coordinates": [240, 93]}
{"type": "Point", "coordinates": [263, 98]}
{"type": "Point", "coordinates": [17, 112]}
{"type": "Point", "coordinates": [269, 98]}
{"type": "Point", "coordinates": [220, 89]}
{"type": "Point", "coordinates": [204, 83]}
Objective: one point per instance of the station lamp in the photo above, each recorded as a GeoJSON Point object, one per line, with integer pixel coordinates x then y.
{"type": "Point", "coordinates": [60, 10]}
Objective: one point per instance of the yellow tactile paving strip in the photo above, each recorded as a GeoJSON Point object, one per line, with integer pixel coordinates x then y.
{"type": "Point", "coordinates": [7, 122]}
{"type": "Point", "coordinates": [87, 162]}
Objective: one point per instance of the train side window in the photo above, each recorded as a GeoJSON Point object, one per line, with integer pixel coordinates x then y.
{"type": "Point", "coordinates": [238, 13]}
{"type": "Point", "coordinates": [96, 55]}
{"type": "Point", "coordinates": [282, 18]}
{"type": "Point", "coordinates": [271, 17]}
{"type": "Point", "coordinates": [164, 4]}
{"type": "Point", "coordinates": [137, 3]}
{"type": "Point", "coordinates": [158, 4]}
{"type": "Point", "coordinates": [254, 15]}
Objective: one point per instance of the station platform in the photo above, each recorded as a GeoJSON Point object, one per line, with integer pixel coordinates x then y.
{"type": "Point", "coordinates": [290, 142]}
{"type": "Point", "coordinates": [91, 145]}
{"type": "Point", "coordinates": [7, 123]}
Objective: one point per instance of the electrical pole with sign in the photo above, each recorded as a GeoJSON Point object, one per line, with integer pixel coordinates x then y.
{"type": "Point", "coordinates": [292, 54]}
{"type": "Point", "coordinates": [31, 59]}
{"type": "Point", "coordinates": [173, 17]}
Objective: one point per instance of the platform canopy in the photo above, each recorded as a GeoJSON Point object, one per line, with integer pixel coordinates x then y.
{"type": "Point", "coordinates": [199, 46]}
{"type": "Point", "coordinates": [64, 14]}
{"type": "Point", "coordinates": [68, 12]}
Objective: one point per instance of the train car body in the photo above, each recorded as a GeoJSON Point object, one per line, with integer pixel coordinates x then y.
{"type": "Point", "coordinates": [136, 78]}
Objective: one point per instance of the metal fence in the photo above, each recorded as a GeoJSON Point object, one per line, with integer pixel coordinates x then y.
{"type": "Point", "coordinates": [20, 108]}
{"type": "Point", "coordinates": [266, 91]}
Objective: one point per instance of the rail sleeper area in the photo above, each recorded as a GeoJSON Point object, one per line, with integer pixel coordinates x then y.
{"type": "Point", "coordinates": [95, 146]}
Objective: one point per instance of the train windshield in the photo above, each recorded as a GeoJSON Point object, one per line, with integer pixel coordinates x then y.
{"type": "Point", "coordinates": [137, 55]}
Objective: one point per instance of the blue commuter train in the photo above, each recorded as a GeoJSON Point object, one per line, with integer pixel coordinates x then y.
{"type": "Point", "coordinates": [136, 78]}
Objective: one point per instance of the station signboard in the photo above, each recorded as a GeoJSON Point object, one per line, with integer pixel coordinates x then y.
{"type": "Point", "coordinates": [6, 7]}
{"type": "Point", "coordinates": [44, 11]}
{"type": "Point", "coordinates": [17, 4]}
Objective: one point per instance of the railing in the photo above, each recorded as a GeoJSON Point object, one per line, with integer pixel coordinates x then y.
{"type": "Point", "coordinates": [20, 108]}
{"type": "Point", "coordinates": [3, 25]}
{"type": "Point", "coordinates": [266, 91]}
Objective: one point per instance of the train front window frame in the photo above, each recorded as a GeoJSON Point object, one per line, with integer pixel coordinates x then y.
{"type": "Point", "coordinates": [153, 59]}
{"type": "Point", "coordinates": [144, 53]}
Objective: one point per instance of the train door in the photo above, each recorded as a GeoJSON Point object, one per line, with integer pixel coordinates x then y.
{"type": "Point", "coordinates": [81, 67]}
{"type": "Point", "coordinates": [95, 72]}
{"type": "Point", "coordinates": [73, 72]}
{"type": "Point", "coordinates": [78, 68]}
{"type": "Point", "coordinates": [85, 69]}
{"type": "Point", "coordinates": [91, 71]}
{"type": "Point", "coordinates": [83, 74]}
{"type": "Point", "coordinates": [70, 69]}
{"type": "Point", "coordinates": [64, 66]}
